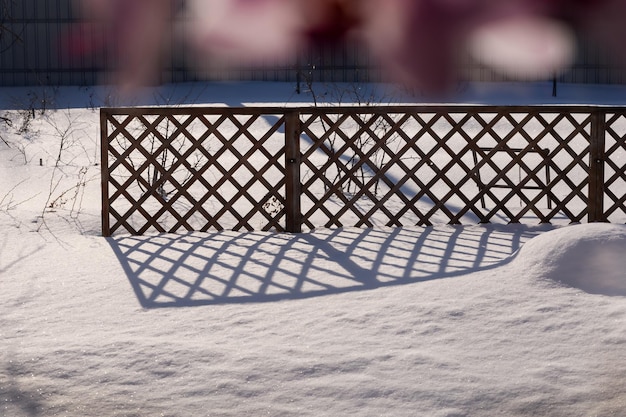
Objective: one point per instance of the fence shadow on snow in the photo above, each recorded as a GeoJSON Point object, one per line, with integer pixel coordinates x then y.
{"type": "Point", "coordinates": [229, 176]}
{"type": "Point", "coordinates": [196, 269]}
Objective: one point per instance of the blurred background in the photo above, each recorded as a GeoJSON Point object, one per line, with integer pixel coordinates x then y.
{"type": "Point", "coordinates": [52, 43]}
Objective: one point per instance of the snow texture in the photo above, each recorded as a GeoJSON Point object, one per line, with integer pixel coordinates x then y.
{"type": "Point", "coordinates": [485, 320]}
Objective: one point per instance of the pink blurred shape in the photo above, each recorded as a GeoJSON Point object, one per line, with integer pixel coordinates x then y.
{"type": "Point", "coordinates": [417, 42]}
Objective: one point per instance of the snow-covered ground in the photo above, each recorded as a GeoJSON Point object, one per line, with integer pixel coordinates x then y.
{"type": "Point", "coordinates": [485, 320]}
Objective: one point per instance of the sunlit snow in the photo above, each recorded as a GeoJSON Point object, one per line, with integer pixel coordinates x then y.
{"type": "Point", "coordinates": [484, 320]}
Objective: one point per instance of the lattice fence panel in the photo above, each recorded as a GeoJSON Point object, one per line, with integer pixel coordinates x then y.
{"type": "Point", "coordinates": [615, 168]}
{"type": "Point", "coordinates": [452, 165]}
{"type": "Point", "coordinates": [169, 170]}
{"type": "Point", "coordinates": [193, 170]}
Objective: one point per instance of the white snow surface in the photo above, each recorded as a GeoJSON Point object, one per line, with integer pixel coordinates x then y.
{"type": "Point", "coordinates": [484, 320]}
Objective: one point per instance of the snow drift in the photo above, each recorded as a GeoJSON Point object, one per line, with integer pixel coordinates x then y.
{"type": "Point", "coordinates": [592, 258]}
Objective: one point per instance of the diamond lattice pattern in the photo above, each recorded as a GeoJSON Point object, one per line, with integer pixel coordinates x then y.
{"type": "Point", "coordinates": [174, 172]}
{"type": "Point", "coordinates": [170, 170]}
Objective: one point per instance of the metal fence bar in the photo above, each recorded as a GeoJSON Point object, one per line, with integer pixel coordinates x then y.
{"type": "Point", "coordinates": [293, 185]}
{"type": "Point", "coordinates": [596, 166]}
{"type": "Point", "coordinates": [104, 176]}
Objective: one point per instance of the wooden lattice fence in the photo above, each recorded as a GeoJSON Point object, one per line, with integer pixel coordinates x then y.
{"type": "Point", "coordinates": [291, 169]}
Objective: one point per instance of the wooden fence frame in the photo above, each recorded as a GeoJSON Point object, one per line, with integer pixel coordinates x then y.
{"type": "Point", "coordinates": [295, 121]}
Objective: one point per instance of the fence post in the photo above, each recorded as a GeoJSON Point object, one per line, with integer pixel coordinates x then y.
{"type": "Point", "coordinates": [104, 172]}
{"type": "Point", "coordinates": [293, 186]}
{"type": "Point", "coordinates": [596, 167]}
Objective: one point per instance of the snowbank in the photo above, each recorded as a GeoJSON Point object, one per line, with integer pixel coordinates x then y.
{"type": "Point", "coordinates": [591, 257]}
{"type": "Point", "coordinates": [408, 322]}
